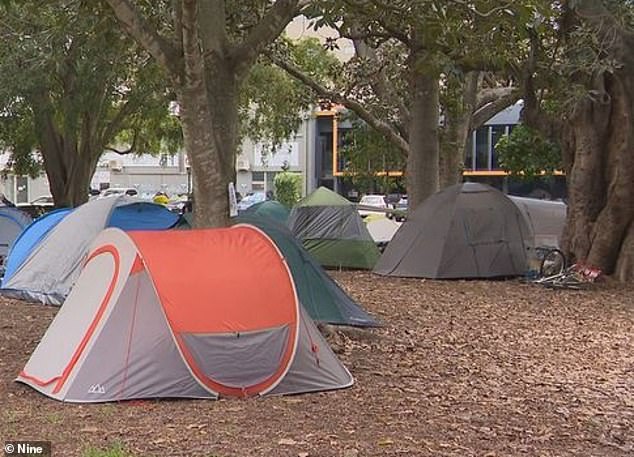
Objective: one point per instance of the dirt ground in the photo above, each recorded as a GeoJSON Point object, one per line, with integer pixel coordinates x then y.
{"type": "Point", "coordinates": [462, 368]}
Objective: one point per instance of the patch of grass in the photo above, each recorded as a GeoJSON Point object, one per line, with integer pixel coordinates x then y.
{"type": "Point", "coordinates": [10, 416]}
{"type": "Point", "coordinates": [54, 418]}
{"type": "Point", "coordinates": [116, 450]}
{"type": "Point", "coordinates": [106, 410]}
{"type": "Point", "coordinates": [11, 420]}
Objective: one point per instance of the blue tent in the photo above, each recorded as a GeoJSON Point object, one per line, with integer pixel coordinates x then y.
{"type": "Point", "coordinates": [46, 258]}
{"type": "Point", "coordinates": [30, 237]}
{"type": "Point", "coordinates": [12, 222]}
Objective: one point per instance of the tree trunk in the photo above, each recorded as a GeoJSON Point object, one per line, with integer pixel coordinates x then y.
{"type": "Point", "coordinates": [459, 109]}
{"type": "Point", "coordinates": [69, 179]}
{"type": "Point", "coordinates": [68, 172]}
{"type": "Point", "coordinates": [600, 173]}
{"type": "Point", "coordinates": [422, 161]}
{"type": "Point", "coordinates": [209, 120]}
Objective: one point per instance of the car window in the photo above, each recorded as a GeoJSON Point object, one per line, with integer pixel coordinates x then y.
{"type": "Point", "coordinates": [373, 200]}
{"type": "Point", "coordinates": [259, 197]}
{"type": "Point", "coordinates": [42, 200]}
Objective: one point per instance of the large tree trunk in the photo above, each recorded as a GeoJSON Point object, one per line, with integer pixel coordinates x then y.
{"type": "Point", "coordinates": [69, 179]}
{"type": "Point", "coordinates": [68, 172]}
{"type": "Point", "coordinates": [209, 119]}
{"type": "Point", "coordinates": [69, 187]}
{"type": "Point", "coordinates": [207, 67]}
{"type": "Point", "coordinates": [422, 161]}
{"type": "Point", "coordinates": [461, 103]}
{"type": "Point", "coordinates": [600, 173]}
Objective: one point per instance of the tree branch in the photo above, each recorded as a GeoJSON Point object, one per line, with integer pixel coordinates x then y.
{"type": "Point", "coordinates": [193, 65]}
{"type": "Point", "coordinates": [612, 34]}
{"type": "Point", "coordinates": [137, 27]}
{"type": "Point", "coordinates": [130, 150]}
{"type": "Point", "coordinates": [472, 9]}
{"type": "Point", "coordinates": [379, 80]}
{"type": "Point", "coordinates": [390, 132]}
{"type": "Point", "coordinates": [486, 96]}
{"type": "Point", "coordinates": [265, 32]}
{"type": "Point", "coordinates": [114, 126]}
{"type": "Point", "coordinates": [486, 112]}
{"type": "Point", "coordinates": [396, 33]}
{"type": "Point", "coordinates": [177, 19]}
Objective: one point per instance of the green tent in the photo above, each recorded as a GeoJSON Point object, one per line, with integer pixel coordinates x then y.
{"type": "Point", "coordinates": [271, 209]}
{"type": "Point", "coordinates": [185, 222]}
{"type": "Point", "coordinates": [331, 229]}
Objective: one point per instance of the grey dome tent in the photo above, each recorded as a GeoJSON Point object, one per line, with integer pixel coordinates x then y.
{"type": "Point", "coordinates": [545, 219]}
{"type": "Point", "coordinates": [468, 230]}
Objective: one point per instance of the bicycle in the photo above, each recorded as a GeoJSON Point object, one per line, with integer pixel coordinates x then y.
{"type": "Point", "coordinates": [555, 273]}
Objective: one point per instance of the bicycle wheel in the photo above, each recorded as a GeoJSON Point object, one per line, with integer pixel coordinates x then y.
{"type": "Point", "coordinates": [553, 263]}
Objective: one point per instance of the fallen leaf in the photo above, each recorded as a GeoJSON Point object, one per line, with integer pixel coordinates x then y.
{"type": "Point", "coordinates": [287, 442]}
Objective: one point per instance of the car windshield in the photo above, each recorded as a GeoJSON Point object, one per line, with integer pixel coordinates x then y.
{"type": "Point", "coordinates": [255, 198]}
{"type": "Point", "coordinates": [42, 200]}
{"type": "Point", "coordinates": [113, 192]}
{"type": "Point", "coordinates": [374, 200]}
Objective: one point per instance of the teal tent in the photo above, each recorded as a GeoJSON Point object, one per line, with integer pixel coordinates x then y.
{"type": "Point", "coordinates": [271, 209]}
{"type": "Point", "coordinates": [320, 295]}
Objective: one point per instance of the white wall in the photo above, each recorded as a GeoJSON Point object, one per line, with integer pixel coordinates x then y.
{"type": "Point", "coordinates": [255, 158]}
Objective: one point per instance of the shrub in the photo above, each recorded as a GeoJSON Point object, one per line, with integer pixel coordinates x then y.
{"type": "Point", "coordinates": [288, 188]}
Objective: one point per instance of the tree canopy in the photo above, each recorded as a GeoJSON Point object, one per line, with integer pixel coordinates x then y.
{"type": "Point", "coordinates": [207, 50]}
{"type": "Point", "coordinates": [71, 85]}
{"type": "Point", "coordinates": [425, 73]}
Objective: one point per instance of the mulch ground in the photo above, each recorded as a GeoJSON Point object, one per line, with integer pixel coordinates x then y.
{"type": "Point", "coordinates": [463, 368]}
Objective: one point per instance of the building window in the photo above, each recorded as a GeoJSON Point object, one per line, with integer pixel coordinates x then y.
{"type": "Point", "coordinates": [497, 132]}
{"type": "Point", "coordinates": [325, 145]}
{"type": "Point", "coordinates": [482, 149]}
{"type": "Point", "coordinates": [257, 181]}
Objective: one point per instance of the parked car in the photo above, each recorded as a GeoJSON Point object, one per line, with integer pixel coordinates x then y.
{"type": "Point", "coordinates": [118, 191]}
{"type": "Point", "coordinates": [44, 200]}
{"type": "Point", "coordinates": [400, 210]}
{"type": "Point", "coordinates": [251, 199]}
{"type": "Point", "coordinates": [392, 199]}
{"type": "Point", "coordinates": [377, 201]}
{"type": "Point", "coordinates": [37, 206]}
{"type": "Point", "coordinates": [178, 203]}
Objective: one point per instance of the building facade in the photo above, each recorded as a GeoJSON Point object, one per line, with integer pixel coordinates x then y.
{"type": "Point", "coordinates": [313, 152]}
{"type": "Point", "coordinates": [257, 163]}
{"type": "Point", "coordinates": [146, 173]}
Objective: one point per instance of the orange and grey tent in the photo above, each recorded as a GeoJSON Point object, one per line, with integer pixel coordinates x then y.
{"type": "Point", "coordinates": [195, 314]}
